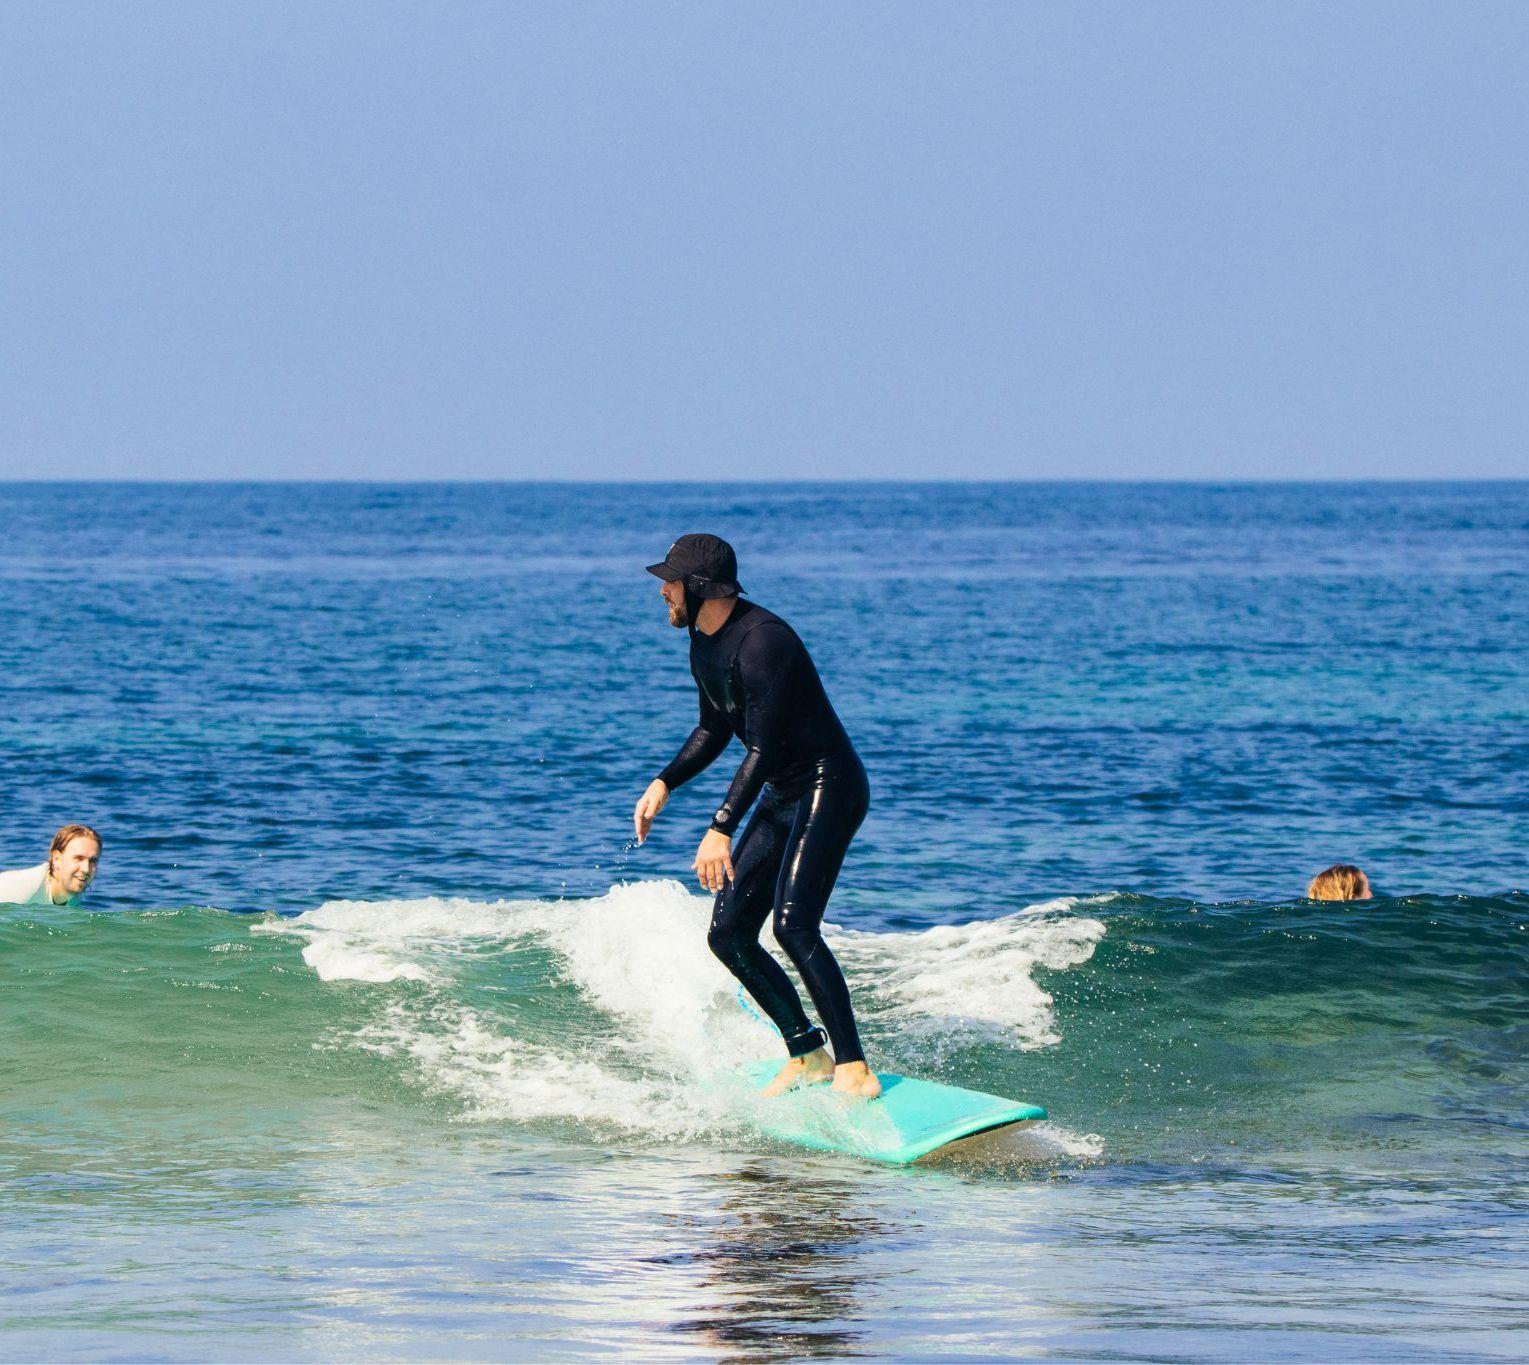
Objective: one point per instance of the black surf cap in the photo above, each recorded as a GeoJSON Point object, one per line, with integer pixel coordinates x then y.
{"type": "Point", "coordinates": [706, 565]}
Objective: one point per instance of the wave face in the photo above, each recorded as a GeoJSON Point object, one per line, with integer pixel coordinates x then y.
{"type": "Point", "coordinates": [1153, 1030]}
{"type": "Point", "coordinates": [1299, 1031]}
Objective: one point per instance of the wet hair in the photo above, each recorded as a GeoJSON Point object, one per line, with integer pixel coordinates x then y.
{"type": "Point", "coordinates": [62, 838]}
{"type": "Point", "coordinates": [1340, 882]}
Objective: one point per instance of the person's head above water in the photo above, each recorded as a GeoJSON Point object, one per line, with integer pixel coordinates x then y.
{"type": "Point", "coordinates": [699, 568]}
{"type": "Point", "coordinates": [73, 858]}
{"type": "Point", "coordinates": [1340, 882]}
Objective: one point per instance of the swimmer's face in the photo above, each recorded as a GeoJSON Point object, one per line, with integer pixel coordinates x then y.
{"type": "Point", "coordinates": [74, 865]}
{"type": "Point", "coordinates": [674, 598]}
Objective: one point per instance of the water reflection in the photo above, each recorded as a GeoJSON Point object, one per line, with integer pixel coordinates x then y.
{"type": "Point", "coordinates": [783, 1266]}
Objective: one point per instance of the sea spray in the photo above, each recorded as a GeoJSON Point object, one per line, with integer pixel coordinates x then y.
{"type": "Point", "coordinates": [659, 1047]}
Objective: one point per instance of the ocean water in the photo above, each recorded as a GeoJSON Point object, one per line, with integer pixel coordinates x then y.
{"type": "Point", "coordinates": [378, 1039]}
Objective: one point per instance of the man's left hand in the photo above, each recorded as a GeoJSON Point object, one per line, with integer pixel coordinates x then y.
{"type": "Point", "coordinates": [714, 861]}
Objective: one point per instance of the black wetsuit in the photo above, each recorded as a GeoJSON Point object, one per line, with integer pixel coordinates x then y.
{"type": "Point", "coordinates": [757, 681]}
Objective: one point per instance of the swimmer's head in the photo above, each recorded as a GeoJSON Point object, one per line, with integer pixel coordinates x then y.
{"type": "Point", "coordinates": [73, 857]}
{"type": "Point", "coordinates": [1341, 882]}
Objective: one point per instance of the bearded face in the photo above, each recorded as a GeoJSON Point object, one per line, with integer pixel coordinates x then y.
{"type": "Point", "coordinates": [674, 599]}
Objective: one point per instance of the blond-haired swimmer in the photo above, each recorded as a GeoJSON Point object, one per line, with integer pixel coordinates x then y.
{"type": "Point", "coordinates": [71, 867]}
{"type": "Point", "coordinates": [1340, 882]}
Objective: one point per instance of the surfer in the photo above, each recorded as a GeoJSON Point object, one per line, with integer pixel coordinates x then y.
{"type": "Point", "coordinates": [756, 680]}
{"type": "Point", "coordinates": [71, 867]}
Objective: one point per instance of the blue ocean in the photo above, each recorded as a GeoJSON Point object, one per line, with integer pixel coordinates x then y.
{"type": "Point", "coordinates": [378, 1038]}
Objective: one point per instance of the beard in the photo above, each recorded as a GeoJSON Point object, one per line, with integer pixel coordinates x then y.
{"type": "Point", "coordinates": [679, 614]}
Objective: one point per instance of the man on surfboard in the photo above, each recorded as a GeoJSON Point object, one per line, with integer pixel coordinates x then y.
{"type": "Point", "coordinates": [756, 681]}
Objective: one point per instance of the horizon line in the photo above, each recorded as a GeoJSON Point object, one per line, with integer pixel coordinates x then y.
{"type": "Point", "coordinates": [363, 481]}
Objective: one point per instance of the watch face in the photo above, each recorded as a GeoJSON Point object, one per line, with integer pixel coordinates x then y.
{"type": "Point", "coordinates": [723, 815]}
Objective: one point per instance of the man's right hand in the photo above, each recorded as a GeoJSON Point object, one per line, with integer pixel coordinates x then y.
{"type": "Point", "coordinates": [648, 805]}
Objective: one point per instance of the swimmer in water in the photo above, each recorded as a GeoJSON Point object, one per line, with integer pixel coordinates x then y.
{"type": "Point", "coordinates": [71, 867]}
{"type": "Point", "coordinates": [1340, 882]}
{"type": "Point", "coordinates": [756, 681]}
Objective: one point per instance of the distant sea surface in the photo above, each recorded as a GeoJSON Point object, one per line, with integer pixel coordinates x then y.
{"type": "Point", "coordinates": [378, 1039]}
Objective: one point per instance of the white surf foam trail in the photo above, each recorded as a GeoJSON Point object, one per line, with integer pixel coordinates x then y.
{"type": "Point", "coordinates": [976, 978]}
{"type": "Point", "coordinates": [660, 1050]}
{"type": "Point", "coordinates": [384, 941]}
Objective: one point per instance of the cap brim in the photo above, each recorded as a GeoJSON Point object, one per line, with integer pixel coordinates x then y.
{"type": "Point", "coordinates": [666, 571]}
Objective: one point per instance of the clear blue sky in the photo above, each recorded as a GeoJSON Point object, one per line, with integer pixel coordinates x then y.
{"type": "Point", "coordinates": [648, 240]}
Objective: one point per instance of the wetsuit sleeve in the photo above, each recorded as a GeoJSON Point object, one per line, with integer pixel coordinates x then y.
{"type": "Point", "coordinates": [766, 663]}
{"type": "Point", "coordinates": [706, 741]}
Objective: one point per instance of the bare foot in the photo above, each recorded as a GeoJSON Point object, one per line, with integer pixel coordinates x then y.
{"type": "Point", "coordinates": [857, 1079]}
{"type": "Point", "coordinates": [809, 1070]}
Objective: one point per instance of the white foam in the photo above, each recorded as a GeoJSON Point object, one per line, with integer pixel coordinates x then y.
{"type": "Point", "coordinates": [977, 977]}
{"type": "Point", "coordinates": [432, 919]}
{"type": "Point", "coordinates": [460, 1054]}
{"type": "Point", "coordinates": [385, 941]}
{"type": "Point", "coordinates": [1053, 1139]}
{"type": "Point", "coordinates": [664, 1058]}
{"type": "Point", "coordinates": [337, 959]}
{"type": "Point", "coordinates": [640, 953]}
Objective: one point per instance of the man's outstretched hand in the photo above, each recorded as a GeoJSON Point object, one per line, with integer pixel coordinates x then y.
{"type": "Point", "coordinates": [714, 860]}
{"type": "Point", "coordinates": [648, 806]}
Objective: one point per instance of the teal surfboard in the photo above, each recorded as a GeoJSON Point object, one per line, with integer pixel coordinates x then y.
{"type": "Point", "coordinates": [911, 1119]}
